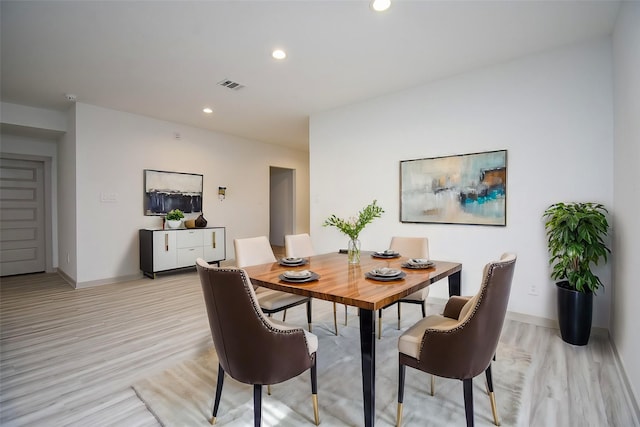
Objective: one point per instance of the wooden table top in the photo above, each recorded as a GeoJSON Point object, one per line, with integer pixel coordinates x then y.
{"type": "Point", "coordinates": [346, 284]}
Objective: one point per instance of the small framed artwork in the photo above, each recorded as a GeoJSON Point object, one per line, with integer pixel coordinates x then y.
{"type": "Point", "coordinates": [459, 189]}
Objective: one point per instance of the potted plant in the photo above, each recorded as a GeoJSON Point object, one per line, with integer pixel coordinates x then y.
{"type": "Point", "coordinates": [575, 236]}
{"type": "Point", "coordinates": [174, 218]}
{"type": "Point", "coordinates": [353, 226]}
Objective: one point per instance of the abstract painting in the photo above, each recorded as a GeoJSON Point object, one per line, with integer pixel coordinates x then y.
{"type": "Point", "coordinates": [165, 191]}
{"type": "Point", "coordinates": [459, 189]}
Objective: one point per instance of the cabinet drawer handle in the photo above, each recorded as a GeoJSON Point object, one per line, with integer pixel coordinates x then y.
{"type": "Point", "coordinates": [166, 242]}
{"type": "Point", "coordinates": [214, 240]}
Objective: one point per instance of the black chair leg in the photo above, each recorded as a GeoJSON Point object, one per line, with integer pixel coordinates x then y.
{"type": "Point", "coordinates": [314, 391]}
{"type": "Point", "coordinates": [401, 373]}
{"type": "Point", "coordinates": [257, 405]}
{"type": "Point", "coordinates": [309, 314]}
{"type": "Point", "coordinates": [424, 308]}
{"type": "Point", "coordinates": [216, 402]}
{"type": "Point", "coordinates": [314, 378]}
{"type": "Point", "coordinates": [489, 379]}
{"type": "Point", "coordinates": [468, 400]}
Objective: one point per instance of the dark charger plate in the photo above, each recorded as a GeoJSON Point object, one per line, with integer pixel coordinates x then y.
{"type": "Point", "coordinates": [385, 256]}
{"type": "Point", "coordinates": [372, 276]}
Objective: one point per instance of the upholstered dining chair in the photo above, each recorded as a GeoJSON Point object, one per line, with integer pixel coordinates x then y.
{"type": "Point", "coordinates": [461, 342]}
{"type": "Point", "coordinates": [300, 246]}
{"type": "Point", "coordinates": [252, 348]}
{"type": "Point", "coordinates": [412, 247]}
{"type": "Point", "coordinates": [257, 250]}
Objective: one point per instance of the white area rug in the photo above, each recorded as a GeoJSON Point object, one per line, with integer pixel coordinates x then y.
{"type": "Point", "coordinates": [183, 395]}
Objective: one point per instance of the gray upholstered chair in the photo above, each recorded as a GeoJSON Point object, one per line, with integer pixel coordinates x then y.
{"type": "Point", "coordinates": [412, 247]}
{"type": "Point", "coordinates": [252, 348]}
{"type": "Point", "coordinates": [255, 251]}
{"type": "Point", "coordinates": [461, 342]}
{"type": "Point", "coordinates": [300, 246]}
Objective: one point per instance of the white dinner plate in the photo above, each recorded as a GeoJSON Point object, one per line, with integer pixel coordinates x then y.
{"type": "Point", "coordinates": [385, 272]}
{"type": "Point", "coordinates": [297, 274]}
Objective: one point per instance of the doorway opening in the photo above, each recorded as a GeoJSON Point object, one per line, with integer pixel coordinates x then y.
{"type": "Point", "coordinates": [282, 217]}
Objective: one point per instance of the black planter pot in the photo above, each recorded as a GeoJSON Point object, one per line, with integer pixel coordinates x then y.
{"type": "Point", "coordinates": [575, 310]}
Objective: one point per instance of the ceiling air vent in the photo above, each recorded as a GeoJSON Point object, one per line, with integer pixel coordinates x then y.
{"type": "Point", "coordinates": [230, 84]}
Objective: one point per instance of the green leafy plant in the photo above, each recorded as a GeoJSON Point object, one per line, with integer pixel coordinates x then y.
{"type": "Point", "coordinates": [575, 236]}
{"type": "Point", "coordinates": [174, 215]}
{"type": "Point", "coordinates": [353, 226]}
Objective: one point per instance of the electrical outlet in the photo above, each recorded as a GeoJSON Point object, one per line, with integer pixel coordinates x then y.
{"type": "Point", "coordinates": [533, 289]}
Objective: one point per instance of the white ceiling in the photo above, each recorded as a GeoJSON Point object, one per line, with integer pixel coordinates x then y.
{"type": "Point", "coordinates": [163, 59]}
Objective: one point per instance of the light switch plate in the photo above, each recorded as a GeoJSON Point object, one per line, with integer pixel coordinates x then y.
{"type": "Point", "coordinates": [108, 197]}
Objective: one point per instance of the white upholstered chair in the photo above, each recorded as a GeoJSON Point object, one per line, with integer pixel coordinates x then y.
{"type": "Point", "coordinates": [300, 246]}
{"type": "Point", "coordinates": [255, 251]}
{"type": "Point", "coordinates": [412, 247]}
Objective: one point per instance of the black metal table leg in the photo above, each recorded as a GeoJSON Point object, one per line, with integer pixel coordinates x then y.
{"type": "Point", "coordinates": [368, 350]}
{"type": "Point", "coordinates": [454, 283]}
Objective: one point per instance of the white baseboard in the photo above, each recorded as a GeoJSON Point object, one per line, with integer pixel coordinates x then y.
{"type": "Point", "coordinates": [92, 283]}
{"type": "Point", "coordinates": [622, 373]}
{"type": "Point", "coordinates": [532, 320]}
{"type": "Point", "coordinates": [66, 278]}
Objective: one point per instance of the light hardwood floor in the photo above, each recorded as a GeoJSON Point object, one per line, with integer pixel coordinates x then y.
{"type": "Point", "coordinates": [69, 357]}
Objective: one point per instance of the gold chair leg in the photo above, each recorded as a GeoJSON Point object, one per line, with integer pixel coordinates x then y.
{"type": "Point", "coordinates": [269, 389]}
{"type": "Point", "coordinates": [335, 318]}
{"type": "Point", "coordinates": [399, 416]}
{"type": "Point", "coordinates": [494, 409]}
{"type": "Point", "coordinates": [212, 420]}
{"type": "Point", "coordinates": [433, 385]}
{"type": "Point", "coordinates": [316, 412]}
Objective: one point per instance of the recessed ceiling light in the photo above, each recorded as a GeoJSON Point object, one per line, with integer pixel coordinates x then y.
{"type": "Point", "coordinates": [207, 110]}
{"type": "Point", "coordinates": [279, 54]}
{"type": "Point", "coordinates": [380, 5]}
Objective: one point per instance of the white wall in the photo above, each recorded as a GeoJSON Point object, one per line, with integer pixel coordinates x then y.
{"type": "Point", "coordinates": [114, 147]}
{"type": "Point", "coordinates": [552, 112]}
{"type": "Point", "coordinates": [626, 55]}
{"type": "Point", "coordinates": [31, 117]}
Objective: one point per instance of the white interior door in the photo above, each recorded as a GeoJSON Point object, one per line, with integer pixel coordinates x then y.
{"type": "Point", "coordinates": [22, 232]}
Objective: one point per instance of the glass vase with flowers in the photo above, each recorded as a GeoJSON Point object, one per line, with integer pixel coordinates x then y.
{"type": "Point", "coordinates": [353, 226]}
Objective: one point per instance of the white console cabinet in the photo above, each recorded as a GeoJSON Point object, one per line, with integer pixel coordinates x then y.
{"type": "Point", "coordinates": [162, 250]}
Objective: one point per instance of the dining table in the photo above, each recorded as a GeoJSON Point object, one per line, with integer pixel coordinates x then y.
{"type": "Point", "coordinates": [336, 280]}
